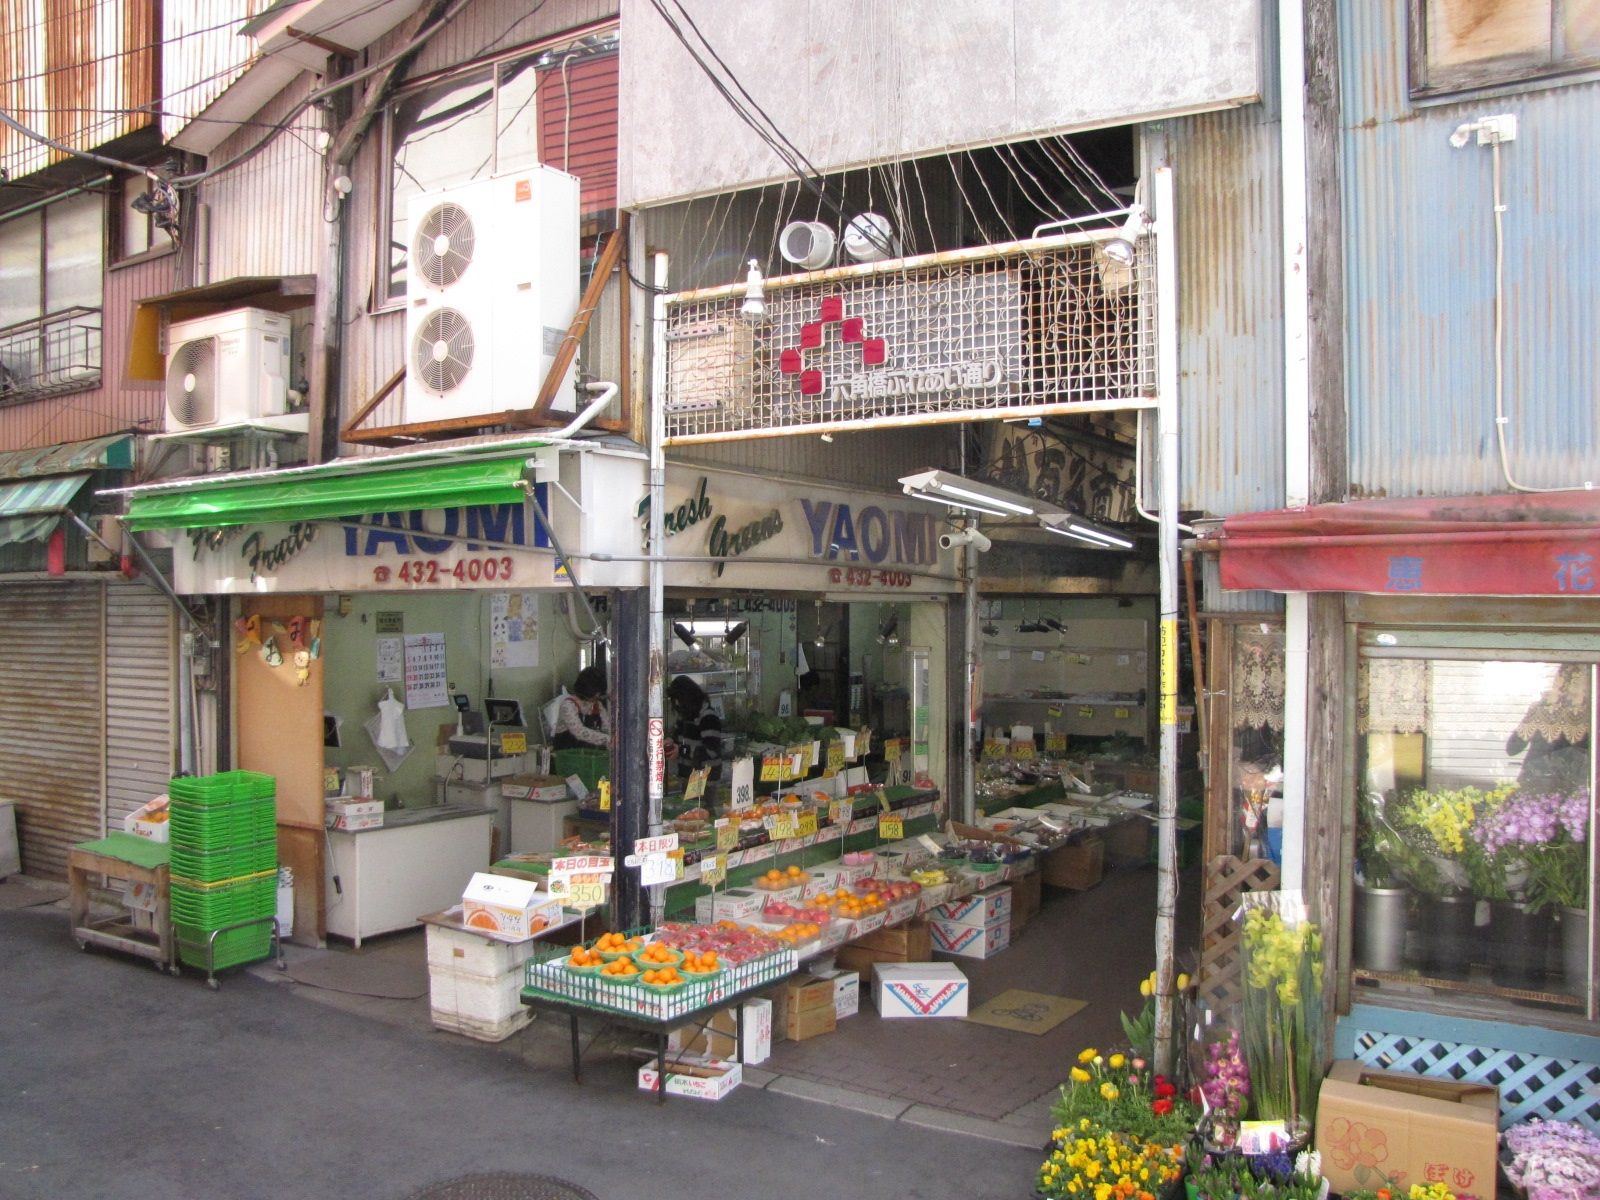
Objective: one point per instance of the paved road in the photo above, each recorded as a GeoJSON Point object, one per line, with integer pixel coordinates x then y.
{"type": "Point", "coordinates": [118, 1082]}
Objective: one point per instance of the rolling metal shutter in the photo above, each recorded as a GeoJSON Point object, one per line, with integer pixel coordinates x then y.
{"type": "Point", "coordinates": [52, 704]}
{"type": "Point", "coordinates": [140, 686]}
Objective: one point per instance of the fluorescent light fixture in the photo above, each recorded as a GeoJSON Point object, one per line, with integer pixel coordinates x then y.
{"type": "Point", "coordinates": [991, 512]}
{"type": "Point", "coordinates": [960, 492]}
{"type": "Point", "coordinates": [1073, 526]}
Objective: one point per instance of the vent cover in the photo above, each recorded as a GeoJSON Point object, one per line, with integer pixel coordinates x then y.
{"type": "Point", "coordinates": [191, 383]}
{"type": "Point", "coordinates": [442, 247]}
{"type": "Point", "coordinates": [441, 351]}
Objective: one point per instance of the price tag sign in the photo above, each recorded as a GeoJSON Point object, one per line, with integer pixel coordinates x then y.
{"type": "Point", "coordinates": [744, 788]}
{"type": "Point", "coordinates": [799, 762]}
{"type": "Point", "coordinates": [808, 823]}
{"type": "Point", "coordinates": [1052, 710]}
{"type": "Point", "coordinates": [586, 891]}
{"type": "Point", "coordinates": [514, 743]}
{"type": "Point", "coordinates": [696, 787]}
{"type": "Point", "coordinates": [835, 756]}
{"type": "Point", "coordinates": [774, 768]}
{"type": "Point", "coordinates": [605, 795]}
{"type": "Point", "coordinates": [1023, 749]}
{"type": "Point", "coordinates": [678, 865]}
{"type": "Point", "coordinates": [658, 868]}
{"type": "Point", "coordinates": [727, 834]}
{"type": "Point", "coordinates": [714, 870]}
{"type": "Point", "coordinates": [891, 828]}
{"type": "Point", "coordinates": [994, 748]}
{"type": "Point", "coordinates": [782, 826]}
{"type": "Point", "coordinates": [1085, 711]}
{"type": "Point", "coordinates": [659, 844]}
{"type": "Point", "coordinates": [1055, 743]}
{"type": "Point", "coordinates": [838, 812]}
{"type": "Point", "coordinates": [892, 749]}
{"type": "Point", "coordinates": [1120, 714]}
{"type": "Point", "coordinates": [863, 742]}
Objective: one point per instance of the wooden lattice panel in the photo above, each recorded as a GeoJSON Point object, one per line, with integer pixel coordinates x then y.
{"type": "Point", "coordinates": [1227, 880]}
{"type": "Point", "coordinates": [1531, 1085]}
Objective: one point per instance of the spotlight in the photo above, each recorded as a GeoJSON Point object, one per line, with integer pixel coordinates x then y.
{"type": "Point", "coordinates": [737, 632]}
{"type": "Point", "coordinates": [889, 630]}
{"type": "Point", "coordinates": [755, 295]}
{"type": "Point", "coordinates": [686, 635]}
{"type": "Point", "coordinates": [870, 238]}
{"type": "Point", "coordinates": [1123, 248]}
{"type": "Point", "coordinates": [806, 244]}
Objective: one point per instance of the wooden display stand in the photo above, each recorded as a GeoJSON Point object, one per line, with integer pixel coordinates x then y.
{"type": "Point", "coordinates": [118, 933]}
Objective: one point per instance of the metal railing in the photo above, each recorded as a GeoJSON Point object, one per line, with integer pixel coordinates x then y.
{"type": "Point", "coordinates": [57, 353]}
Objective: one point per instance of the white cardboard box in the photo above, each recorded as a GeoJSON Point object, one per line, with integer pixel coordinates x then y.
{"type": "Point", "coordinates": [352, 824]}
{"type": "Point", "coordinates": [970, 941]}
{"type": "Point", "coordinates": [735, 904]}
{"type": "Point", "coordinates": [728, 1077]}
{"type": "Point", "coordinates": [919, 990]}
{"type": "Point", "coordinates": [846, 991]}
{"type": "Point", "coordinates": [138, 823]}
{"type": "Point", "coordinates": [498, 904]}
{"type": "Point", "coordinates": [980, 909]}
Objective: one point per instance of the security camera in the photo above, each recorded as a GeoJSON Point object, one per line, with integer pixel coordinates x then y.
{"type": "Point", "coordinates": [964, 537]}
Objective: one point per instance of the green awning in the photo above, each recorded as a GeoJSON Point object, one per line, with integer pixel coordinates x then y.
{"type": "Point", "coordinates": [114, 452]}
{"type": "Point", "coordinates": [31, 508]}
{"type": "Point", "coordinates": [332, 491]}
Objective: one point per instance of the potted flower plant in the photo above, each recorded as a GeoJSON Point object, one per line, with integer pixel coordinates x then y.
{"type": "Point", "coordinates": [1558, 878]}
{"type": "Point", "coordinates": [1512, 840]}
{"type": "Point", "coordinates": [1382, 897]}
{"type": "Point", "coordinates": [1435, 825]}
{"type": "Point", "coordinates": [1283, 1035]}
{"type": "Point", "coordinates": [1552, 1160]}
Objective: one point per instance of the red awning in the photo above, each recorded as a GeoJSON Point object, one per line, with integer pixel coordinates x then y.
{"type": "Point", "coordinates": [1526, 544]}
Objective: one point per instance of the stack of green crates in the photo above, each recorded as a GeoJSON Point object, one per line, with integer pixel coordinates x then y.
{"type": "Point", "coordinates": [588, 765]}
{"type": "Point", "coordinates": [224, 854]}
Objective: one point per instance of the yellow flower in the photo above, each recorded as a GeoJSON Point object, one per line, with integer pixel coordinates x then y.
{"type": "Point", "coordinates": [1079, 1075]}
{"type": "Point", "coordinates": [1085, 1056]}
{"type": "Point", "coordinates": [1183, 982]}
{"type": "Point", "coordinates": [1102, 1191]}
{"type": "Point", "coordinates": [1147, 987]}
{"type": "Point", "coordinates": [1117, 1062]}
{"type": "Point", "coordinates": [1109, 1091]}
{"type": "Point", "coordinates": [1092, 1170]}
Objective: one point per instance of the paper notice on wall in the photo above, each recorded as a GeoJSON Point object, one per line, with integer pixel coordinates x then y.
{"type": "Point", "coordinates": [513, 630]}
{"type": "Point", "coordinates": [391, 660]}
{"type": "Point", "coordinates": [426, 682]}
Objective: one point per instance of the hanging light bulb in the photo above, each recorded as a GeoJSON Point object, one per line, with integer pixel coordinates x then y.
{"type": "Point", "coordinates": [755, 295]}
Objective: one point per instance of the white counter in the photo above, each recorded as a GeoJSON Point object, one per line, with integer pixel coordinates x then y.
{"type": "Point", "coordinates": [419, 861]}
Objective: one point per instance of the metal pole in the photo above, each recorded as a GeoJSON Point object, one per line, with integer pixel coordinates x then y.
{"type": "Point", "coordinates": [1167, 557]}
{"type": "Point", "coordinates": [969, 778]}
{"type": "Point", "coordinates": [628, 671]}
{"type": "Point", "coordinates": [656, 729]}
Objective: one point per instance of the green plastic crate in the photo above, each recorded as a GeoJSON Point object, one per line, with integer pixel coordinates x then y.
{"type": "Point", "coordinates": [219, 866]}
{"type": "Point", "coordinates": [210, 908]}
{"type": "Point", "coordinates": [591, 766]}
{"type": "Point", "coordinates": [233, 948]}
{"type": "Point", "coordinates": [221, 826]}
{"type": "Point", "coordinates": [222, 788]}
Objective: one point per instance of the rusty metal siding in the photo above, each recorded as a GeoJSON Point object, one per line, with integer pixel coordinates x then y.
{"type": "Point", "coordinates": [1230, 320]}
{"type": "Point", "coordinates": [491, 26]}
{"type": "Point", "coordinates": [82, 72]}
{"type": "Point", "coordinates": [203, 54]}
{"type": "Point", "coordinates": [118, 403]}
{"type": "Point", "coordinates": [578, 128]}
{"type": "Point", "coordinates": [266, 213]}
{"type": "Point", "coordinates": [1419, 268]}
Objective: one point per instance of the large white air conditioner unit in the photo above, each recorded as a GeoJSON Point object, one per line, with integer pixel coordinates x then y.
{"type": "Point", "coordinates": [226, 369]}
{"type": "Point", "coordinates": [491, 287]}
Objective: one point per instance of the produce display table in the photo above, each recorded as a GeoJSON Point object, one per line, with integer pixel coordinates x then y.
{"type": "Point", "coordinates": [122, 856]}
{"type": "Point", "coordinates": [552, 986]}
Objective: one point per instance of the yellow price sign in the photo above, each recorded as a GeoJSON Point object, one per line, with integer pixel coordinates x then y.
{"type": "Point", "coordinates": [863, 742]}
{"type": "Point", "coordinates": [892, 749]}
{"type": "Point", "coordinates": [1023, 749]}
{"type": "Point", "coordinates": [1120, 714]}
{"type": "Point", "coordinates": [587, 890]}
{"type": "Point", "coordinates": [808, 823]}
{"type": "Point", "coordinates": [773, 767]}
{"type": "Point", "coordinates": [891, 828]}
{"type": "Point", "coordinates": [514, 743]}
{"type": "Point", "coordinates": [783, 826]}
{"type": "Point", "coordinates": [696, 787]}
{"type": "Point", "coordinates": [1085, 711]}
{"type": "Point", "coordinates": [714, 870]}
{"type": "Point", "coordinates": [676, 858]}
{"type": "Point", "coordinates": [835, 756]}
{"type": "Point", "coordinates": [727, 834]}
{"type": "Point", "coordinates": [995, 748]}
{"type": "Point", "coordinates": [838, 812]}
{"type": "Point", "coordinates": [605, 795]}
{"type": "Point", "coordinates": [1055, 743]}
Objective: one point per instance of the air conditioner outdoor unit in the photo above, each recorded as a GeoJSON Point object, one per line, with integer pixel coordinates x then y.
{"type": "Point", "coordinates": [491, 287]}
{"type": "Point", "coordinates": [227, 368]}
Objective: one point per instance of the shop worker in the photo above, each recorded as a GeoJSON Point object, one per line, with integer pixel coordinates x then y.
{"type": "Point", "coordinates": [697, 734]}
{"type": "Point", "coordinates": [582, 720]}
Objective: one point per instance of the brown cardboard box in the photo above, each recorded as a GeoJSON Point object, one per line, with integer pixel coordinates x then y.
{"type": "Point", "coordinates": [910, 942]}
{"type": "Point", "coordinates": [1077, 865]}
{"type": "Point", "coordinates": [856, 958]}
{"type": "Point", "coordinates": [1374, 1126]}
{"type": "Point", "coordinates": [806, 992]}
{"type": "Point", "coordinates": [1024, 899]}
{"type": "Point", "coordinates": [813, 1022]}
{"type": "Point", "coordinates": [1127, 842]}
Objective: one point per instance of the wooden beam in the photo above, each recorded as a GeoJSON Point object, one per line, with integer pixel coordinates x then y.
{"type": "Point", "coordinates": [605, 265]}
{"type": "Point", "coordinates": [365, 410]}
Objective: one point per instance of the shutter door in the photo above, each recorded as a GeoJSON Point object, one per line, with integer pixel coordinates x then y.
{"type": "Point", "coordinates": [140, 686]}
{"type": "Point", "coordinates": [51, 711]}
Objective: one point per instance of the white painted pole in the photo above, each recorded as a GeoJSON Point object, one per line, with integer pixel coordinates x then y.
{"type": "Point", "coordinates": [655, 711]}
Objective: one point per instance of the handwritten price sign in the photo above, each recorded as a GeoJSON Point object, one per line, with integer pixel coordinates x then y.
{"type": "Point", "coordinates": [891, 828]}
{"type": "Point", "coordinates": [808, 823]}
{"type": "Point", "coordinates": [782, 826]}
{"type": "Point", "coordinates": [727, 834]}
{"type": "Point", "coordinates": [835, 756]}
{"type": "Point", "coordinates": [892, 750]}
{"type": "Point", "coordinates": [774, 767]}
{"type": "Point", "coordinates": [714, 870]}
{"type": "Point", "coordinates": [514, 743]}
{"type": "Point", "coordinates": [696, 787]}
{"type": "Point", "coordinates": [1055, 743]}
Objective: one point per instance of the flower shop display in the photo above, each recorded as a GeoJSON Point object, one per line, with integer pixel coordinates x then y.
{"type": "Point", "coordinates": [1436, 825]}
{"type": "Point", "coordinates": [1224, 1082]}
{"type": "Point", "coordinates": [1265, 1177]}
{"type": "Point", "coordinates": [1282, 1029]}
{"type": "Point", "coordinates": [1382, 895]}
{"type": "Point", "coordinates": [1087, 1162]}
{"type": "Point", "coordinates": [1417, 1191]}
{"type": "Point", "coordinates": [1122, 1092]}
{"type": "Point", "coordinates": [1552, 1160]}
{"type": "Point", "coordinates": [1548, 835]}
{"type": "Point", "coordinates": [1526, 846]}
{"type": "Point", "coordinates": [1140, 1030]}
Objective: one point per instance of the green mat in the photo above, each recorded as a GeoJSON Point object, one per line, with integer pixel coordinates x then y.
{"type": "Point", "coordinates": [129, 848]}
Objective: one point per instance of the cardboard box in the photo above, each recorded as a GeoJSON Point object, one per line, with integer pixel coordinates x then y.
{"type": "Point", "coordinates": [1376, 1125]}
{"type": "Point", "coordinates": [978, 910]}
{"type": "Point", "coordinates": [723, 1033]}
{"type": "Point", "coordinates": [549, 788]}
{"type": "Point", "coordinates": [846, 991]}
{"type": "Point", "coordinates": [1079, 865]}
{"type": "Point", "coordinates": [904, 943]}
{"type": "Point", "coordinates": [919, 990]}
{"type": "Point", "coordinates": [735, 904]}
{"type": "Point", "coordinates": [811, 1023]}
{"type": "Point", "coordinates": [1025, 893]}
{"type": "Point", "coordinates": [702, 1079]}
{"type": "Point", "coordinates": [500, 904]}
{"type": "Point", "coordinates": [352, 824]}
{"type": "Point", "coordinates": [149, 820]}
{"type": "Point", "coordinates": [970, 941]}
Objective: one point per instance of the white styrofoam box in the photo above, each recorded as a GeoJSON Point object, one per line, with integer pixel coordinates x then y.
{"type": "Point", "coordinates": [482, 1031]}
{"type": "Point", "coordinates": [919, 990]}
{"type": "Point", "coordinates": [970, 941]}
{"type": "Point", "coordinates": [846, 991]}
{"type": "Point", "coordinates": [285, 905]}
{"type": "Point", "coordinates": [500, 904]}
{"type": "Point", "coordinates": [352, 808]}
{"type": "Point", "coordinates": [757, 1033]}
{"type": "Point", "coordinates": [473, 998]}
{"type": "Point", "coordinates": [823, 879]}
{"type": "Point", "coordinates": [475, 954]}
{"type": "Point", "coordinates": [353, 824]}
{"type": "Point", "coordinates": [902, 911]}
{"type": "Point", "coordinates": [984, 908]}
{"type": "Point", "coordinates": [701, 1088]}
{"type": "Point", "coordinates": [548, 788]}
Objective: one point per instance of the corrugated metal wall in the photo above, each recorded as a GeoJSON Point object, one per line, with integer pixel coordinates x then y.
{"type": "Point", "coordinates": [203, 53]}
{"type": "Point", "coordinates": [1419, 278]}
{"type": "Point", "coordinates": [118, 403]}
{"type": "Point", "coordinates": [80, 73]}
{"type": "Point", "coordinates": [140, 677]}
{"type": "Point", "coordinates": [578, 128]}
{"type": "Point", "coordinates": [266, 213]}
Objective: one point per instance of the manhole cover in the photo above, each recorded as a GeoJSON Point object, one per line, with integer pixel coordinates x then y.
{"type": "Point", "coordinates": [504, 1187]}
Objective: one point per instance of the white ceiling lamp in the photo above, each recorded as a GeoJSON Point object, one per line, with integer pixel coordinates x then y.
{"type": "Point", "coordinates": [870, 238]}
{"type": "Point", "coordinates": [1080, 529]}
{"type": "Point", "coordinates": [959, 492]}
{"type": "Point", "coordinates": [755, 295]}
{"type": "Point", "coordinates": [809, 245]}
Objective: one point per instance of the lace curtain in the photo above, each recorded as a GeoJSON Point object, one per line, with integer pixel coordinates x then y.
{"type": "Point", "coordinates": [1257, 684]}
{"type": "Point", "coordinates": [1392, 696]}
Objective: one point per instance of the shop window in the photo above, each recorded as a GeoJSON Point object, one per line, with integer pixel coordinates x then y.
{"type": "Point", "coordinates": [1246, 739]}
{"type": "Point", "coordinates": [1458, 45]}
{"type": "Point", "coordinates": [1474, 805]}
{"type": "Point", "coordinates": [51, 272]}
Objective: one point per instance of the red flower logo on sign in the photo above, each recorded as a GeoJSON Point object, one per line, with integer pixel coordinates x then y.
{"type": "Point", "coordinates": [813, 335]}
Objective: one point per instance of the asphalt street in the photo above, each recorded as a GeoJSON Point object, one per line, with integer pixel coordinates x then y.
{"type": "Point", "coordinates": [119, 1082]}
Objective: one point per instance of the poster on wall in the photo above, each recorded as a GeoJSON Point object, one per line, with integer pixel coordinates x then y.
{"type": "Point", "coordinates": [391, 660]}
{"type": "Point", "coordinates": [513, 630]}
{"type": "Point", "coordinates": [426, 685]}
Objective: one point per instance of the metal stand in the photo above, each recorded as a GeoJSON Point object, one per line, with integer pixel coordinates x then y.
{"type": "Point", "coordinates": [211, 947]}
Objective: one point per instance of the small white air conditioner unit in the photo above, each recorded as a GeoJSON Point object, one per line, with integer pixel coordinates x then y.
{"type": "Point", "coordinates": [491, 287]}
{"type": "Point", "coordinates": [226, 369]}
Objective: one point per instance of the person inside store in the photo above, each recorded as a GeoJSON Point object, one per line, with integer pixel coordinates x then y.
{"type": "Point", "coordinates": [697, 731]}
{"type": "Point", "coordinates": [582, 719]}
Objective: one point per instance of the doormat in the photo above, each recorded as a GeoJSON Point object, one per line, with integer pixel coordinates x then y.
{"type": "Point", "coordinates": [1026, 1012]}
{"type": "Point", "coordinates": [360, 975]}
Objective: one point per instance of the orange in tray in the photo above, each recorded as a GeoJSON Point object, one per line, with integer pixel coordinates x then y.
{"type": "Point", "coordinates": [615, 943]}
{"type": "Point", "coordinates": [665, 977]}
{"type": "Point", "coordinates": [585, 958]}
{"type": "Point", "coordinates": [655, 952]}
{"type": "Point", "coordinates": [697, 962]}
{"type": "Point", "coordinates": [619, 967]}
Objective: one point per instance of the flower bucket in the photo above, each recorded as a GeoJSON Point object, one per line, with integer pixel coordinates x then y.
{"type": "Point", "coordinates": [1446, 928]}
{"type": "Point", "coordinates": [1380, 927]}
{"type": "Point", "coordinates": [1575, 949]}
{"type": "Point", "coordinates": [1518, 938]}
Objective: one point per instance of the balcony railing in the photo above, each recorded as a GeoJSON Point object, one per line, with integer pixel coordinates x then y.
{"type": "Point", "coordinates": [57, 353]}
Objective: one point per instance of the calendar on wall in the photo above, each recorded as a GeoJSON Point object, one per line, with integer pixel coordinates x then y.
{"type": "Point", "coordinates": [427, 684]}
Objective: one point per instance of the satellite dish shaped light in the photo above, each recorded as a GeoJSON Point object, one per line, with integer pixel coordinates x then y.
{"type": "Point", "coordinates": [808, 245]}
{"type": "Point", "coordinates": [870, 238]}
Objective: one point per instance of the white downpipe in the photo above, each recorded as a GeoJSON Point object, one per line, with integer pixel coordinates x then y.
{"type": "Point", "coordinates": [1296, 419]}
{"type": "Point", "coordinates": [657, 678]}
